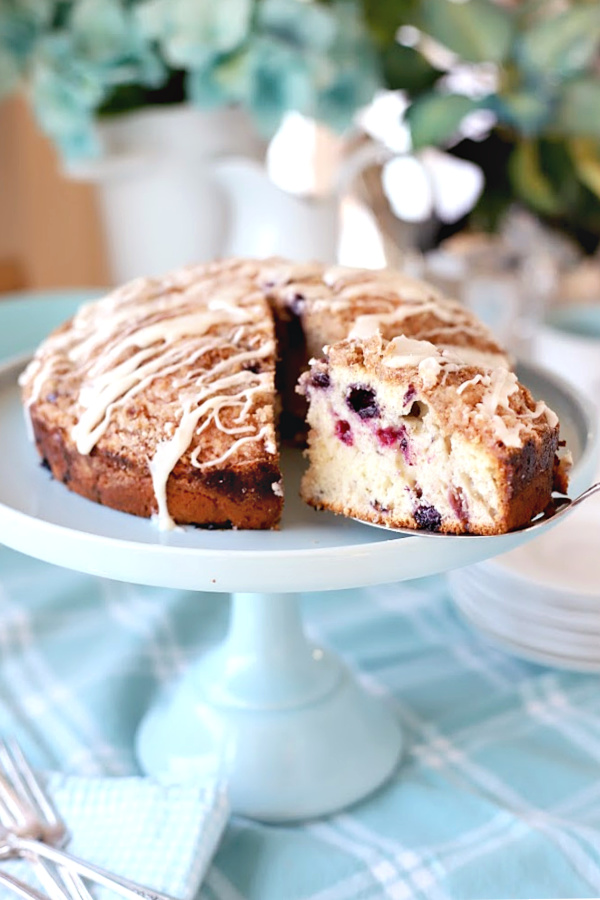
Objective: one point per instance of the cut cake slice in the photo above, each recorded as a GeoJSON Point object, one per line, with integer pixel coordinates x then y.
{"type": "Point", "coordinates": [405, 434]}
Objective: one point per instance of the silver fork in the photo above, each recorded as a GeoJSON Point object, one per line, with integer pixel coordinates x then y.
{"type": "Point", "coordinates": [19, 888]}
{"type": "Point", "coordinates": [32, 846]}
{"type": "Point", "coordinates": [15, 817]}
{"type": "Point", "coordinates": [33, 811]}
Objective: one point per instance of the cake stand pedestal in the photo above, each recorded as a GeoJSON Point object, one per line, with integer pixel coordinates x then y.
{"type": "Point", "coordinates": [297, 735]}
{"type": "Point", "coordinates": [292, 730]}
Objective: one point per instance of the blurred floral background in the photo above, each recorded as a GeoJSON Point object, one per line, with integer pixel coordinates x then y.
{"type": "Point", "coordinates": [88, 58]}
{"type": "Point", "coordinates": [481, 117]}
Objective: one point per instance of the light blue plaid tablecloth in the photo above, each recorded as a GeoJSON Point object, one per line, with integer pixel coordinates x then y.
{"type": "Point", "coordinates": [499, 791]}
{"type": "Point", "coordinates": [498, 795]}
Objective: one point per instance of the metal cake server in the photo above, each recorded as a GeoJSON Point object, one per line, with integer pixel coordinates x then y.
{"type": "Point", "coordinates": [561, 505]}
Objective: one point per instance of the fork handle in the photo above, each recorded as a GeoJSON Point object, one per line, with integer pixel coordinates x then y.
{"type": "Point", "coordinates": [19, 888]}
{"type": "Point", "coordinates": [30, 849]}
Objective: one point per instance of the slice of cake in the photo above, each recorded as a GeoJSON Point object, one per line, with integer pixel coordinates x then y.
{"type": "Point", "coordinates": [159, 400]}
{"type": "Point", "coordinates": [405, 434]}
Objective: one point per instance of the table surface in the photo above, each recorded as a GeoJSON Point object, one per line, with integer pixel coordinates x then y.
{"type": "Point", "coordinates": [497, 795]}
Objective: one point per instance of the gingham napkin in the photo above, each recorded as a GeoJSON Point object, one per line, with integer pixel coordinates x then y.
{"type": "Point", "coordinates": [162, 836]}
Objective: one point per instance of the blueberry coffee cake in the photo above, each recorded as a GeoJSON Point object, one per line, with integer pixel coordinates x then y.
{"type": "Point", "coordinates": [163, 399]}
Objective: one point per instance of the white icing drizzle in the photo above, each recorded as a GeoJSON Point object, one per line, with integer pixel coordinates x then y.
{"type": "Point", "coordinates": [153, 329]}
{"type": "Point", "coordinates": [365, 327]}
{"type": "Point", "coordinates": [542, 410]}
{"type": "Point", "coordinates": [477, 379]}
{"type": "Point", "coordinates": [368, 325]}
{"type": "Point", "coordinates": [150, 330]}
{"type": "Point", "coordinates": [451, 320]}
{"type": "Point", "coordinates": [499, 383]}
{"type": "Point", "coordinates": [263, 434]}
{"type": "Point", "coordinates": [502, 385]}
{"type": "Point", "coordinates": [276, 273]}
{"type": "Point", "coordinates": [206, 404]}
{"type": "Point", "coordinates": [429, 371]}
{"type": "Point", "coordinates": [334, 274]}
{"type": "Point", "coordinates": [472, 356]}
{"type": "Point", "coordinates": [403, 351]}
{"type": "Point", "coordinates": [353, 282]}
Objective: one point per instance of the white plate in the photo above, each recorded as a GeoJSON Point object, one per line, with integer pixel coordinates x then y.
{"type": "Point", "coordinates": [525, 630]}
{"type": "Point", "coordinates": [564, 560]}
{"type": "Point", "coordinates": [312, 551]}
{"type": "Point", "coordinates": [525, 607]}
{"type": "Point", "coordinates": [542, 656]}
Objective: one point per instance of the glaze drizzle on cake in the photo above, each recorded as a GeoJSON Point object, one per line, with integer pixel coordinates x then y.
{"type": "Point", "coordinates": [160, 400]}
{"type": "Point", "coordinates": [194, 360]}
{"type": "Point", "coordinates": [405, 434]}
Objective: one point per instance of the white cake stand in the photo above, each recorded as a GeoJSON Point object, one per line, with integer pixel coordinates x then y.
{"type": "Point", "coordinates": [296, 734]}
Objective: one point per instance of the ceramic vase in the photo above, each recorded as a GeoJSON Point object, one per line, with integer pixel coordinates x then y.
{"type": "Point", "coordinates": [159, 200]}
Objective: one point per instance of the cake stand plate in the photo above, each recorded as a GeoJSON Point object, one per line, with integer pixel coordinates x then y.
{"type": "Point", "coordinates": [290, 727]}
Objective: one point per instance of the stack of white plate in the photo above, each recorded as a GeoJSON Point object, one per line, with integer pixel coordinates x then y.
{"type": "Point", "coordinates": [541, 601]}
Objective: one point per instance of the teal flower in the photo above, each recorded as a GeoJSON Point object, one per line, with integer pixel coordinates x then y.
{"type": "Point", "coordinates": [312, 59]}
{"type": "Point", "coordinates": [219, 83]}
{"type": "Point", "coordinates": [193, 33]}
{"type": "Point", "coordinates": [81, 58]}
{"type": "Point", "coordinates": [108, 34]}
{"type": "Point", "coordinates": [66, 90]}
{"type": "Point", "coordinates": [356, 74]}
{"type": "Point", "coordinates": [307, 27]}
{"type": "Point", "coordinates": [279, 78]}
{"type": "Point", "coordinates": [99, 48]}
{"type": "Point", "coordinates": [101, 30]}
{"type": "Point", "coordinates": [22, 23]}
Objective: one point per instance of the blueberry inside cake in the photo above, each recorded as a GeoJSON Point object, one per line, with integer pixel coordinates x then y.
{"type": "Point", "coordinates": [163, 399]}
{"type": "Point", "coordinates": [405, 434]}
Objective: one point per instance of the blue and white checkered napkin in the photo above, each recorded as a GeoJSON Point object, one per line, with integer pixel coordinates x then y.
{"type": "Point", "coordinates": [498, 794]}
{"type": "Point", "coordinates": [162, 836]}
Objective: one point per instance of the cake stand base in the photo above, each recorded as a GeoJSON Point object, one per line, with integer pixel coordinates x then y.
{"type": "Point", "coordinates": [293, 732]}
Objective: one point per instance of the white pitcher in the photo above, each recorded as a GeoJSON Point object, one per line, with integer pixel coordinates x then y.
{"type": "Point", "coordinates": [265, 220]}
{"type": "Point", "coordinates": [158, 199]}
{"type": "Point", "coordinates": [179, 185]}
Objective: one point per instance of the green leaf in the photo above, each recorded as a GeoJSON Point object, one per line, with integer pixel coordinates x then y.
{"type": "Point", "coordinates": [435, 118]}
{"type": "Point", "coordinates": [527, 112]}
{"type": "Point", "coordinates": [530, 182]}
{"type": "Point", "coordinates": [477, 30]}
{"type": "Point", "coordinates": [384, 18]}
{"type": "Point", "coordinates": [586, 156]}
{"type": "Point", "coordinates": [561, 46]}
{"type": "Point", "coordinates": [578, 112]}
{"type": "Point", "coordinates": [404, 68]}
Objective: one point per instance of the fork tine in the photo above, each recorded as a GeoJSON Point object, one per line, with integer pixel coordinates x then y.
{"type": "Point", "coordinates": [28, 787]}
{"type": "Point", "coordinates": [52, 881]}
{"type": "Point", "coordinates": [20, 789]}
{"type": "Point", "coordinates": [21, 889]}
{"type": "Point", "coordinates": [52, 829]}
{"type": "Point", "coordinates": [11, 812]}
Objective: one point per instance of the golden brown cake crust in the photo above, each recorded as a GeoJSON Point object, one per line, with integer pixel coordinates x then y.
{"type": "Point", "coordinates": [159, 399]}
